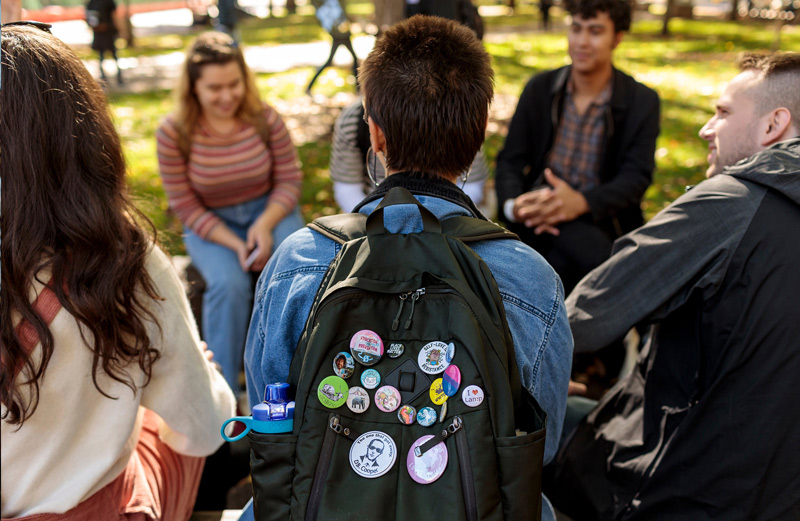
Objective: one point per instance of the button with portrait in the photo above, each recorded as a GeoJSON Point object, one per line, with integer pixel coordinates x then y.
{"type": "Point", "coordinates": [343, 365]}
{"type": "Point", "coordinates": [373, 454]}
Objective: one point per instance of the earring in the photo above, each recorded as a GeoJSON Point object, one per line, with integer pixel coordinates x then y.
{"type": "Point", "coordinates": [464, 177]}
{"type": "Point", "coordinates": [372, 160]}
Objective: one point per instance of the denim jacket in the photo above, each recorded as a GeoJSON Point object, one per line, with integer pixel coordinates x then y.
{"type": "Point", "coordinates": [531, 291]}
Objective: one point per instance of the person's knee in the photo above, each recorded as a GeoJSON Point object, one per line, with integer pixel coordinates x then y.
{"type": "Point", "coordinates": [229, 284]}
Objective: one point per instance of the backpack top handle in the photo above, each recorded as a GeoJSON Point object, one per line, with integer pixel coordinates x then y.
{"type": "Point", "coordinates": [395, 196]}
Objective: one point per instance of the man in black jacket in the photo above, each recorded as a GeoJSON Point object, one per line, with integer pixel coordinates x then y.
{"type": "Point", "coordinates": [706, 426]}
{"type": "Point", "coordinates": [579, 153]}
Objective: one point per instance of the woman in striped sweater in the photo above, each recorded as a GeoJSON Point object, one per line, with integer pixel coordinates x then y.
{"type": "Point", "coordinates": [232, 176]}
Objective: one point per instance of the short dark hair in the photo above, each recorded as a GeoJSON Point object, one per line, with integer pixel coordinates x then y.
{"type": "Point", "coordinates": [618, 10]}
{"type": "Point", "coordinates": [779, 79]}
{"type": "Point", "coordinates": [428, 84]}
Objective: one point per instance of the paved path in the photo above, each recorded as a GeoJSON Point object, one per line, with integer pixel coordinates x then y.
{"type": "Point", "coordinates": [160, 72]}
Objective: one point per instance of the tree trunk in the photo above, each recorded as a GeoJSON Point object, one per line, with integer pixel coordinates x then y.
{"type": "Point", "coordinates": [388, 13]}
{"type": "Point", "coordinates": [128, 25]}
{"type": "Point", "coordinates": [733, 14]}
{"type": "Point", "coordinates": [11, 10]}
{"type": "Point", "coordinates": [667, 15]}
{"type": "Point", "coordinates": [291, 6]}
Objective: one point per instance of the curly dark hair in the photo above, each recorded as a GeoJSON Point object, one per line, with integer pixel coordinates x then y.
{"type": "Point", "coordinates": [618, 10]}
{"type": "Point", "coordinates": [67, 221]}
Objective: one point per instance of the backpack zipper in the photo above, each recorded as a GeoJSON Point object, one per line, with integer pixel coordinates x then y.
{"type": "Point", "coordinates": [321, 473]}
{"type": "Point", "coordinates": [436, 440]}
{"type": "Point", "coordinates": [414, 298]}
{"type": "Point", "coordinates": [467, 483]}
{"type": "Point", "coordinates": [456, 429]}
{"type": "Point", "coordinates": [403, 298]}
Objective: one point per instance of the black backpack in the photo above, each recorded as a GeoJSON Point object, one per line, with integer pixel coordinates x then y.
{"type": "Point", "coordinates": [432, 302]}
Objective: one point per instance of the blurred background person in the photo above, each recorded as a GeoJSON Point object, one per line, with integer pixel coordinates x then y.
{"type": "Point", "coordinates": [109, 402]}
{"type": "Point", "coordinates": [232, 176]}
{"type": "Point", "coordinates": [100, 17]}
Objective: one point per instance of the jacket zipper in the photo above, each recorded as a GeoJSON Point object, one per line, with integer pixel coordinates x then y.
{"type": "Point", "coordinates": [321, 473]}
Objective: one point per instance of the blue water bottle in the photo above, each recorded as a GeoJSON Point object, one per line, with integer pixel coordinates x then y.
{"type": "Point", "coordinates": [272, 416]}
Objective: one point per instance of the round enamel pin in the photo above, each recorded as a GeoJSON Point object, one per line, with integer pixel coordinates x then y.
{"type": "Point", "coordinates": [430, 466]}
{"type": "Point", "coordinates": [432, 358]}
{"type": "Point", "coordinates": [395, 350]}
{"type": "Point", "coordinates": [451, 353]}
{"type": "Point", "coordinates": [367, 347]}
{"type": "Point", "coordinates": [472, 396]}
{"type": "Point", "coordinates": [373, 454]}
{"type": "Point", "coordinates": [406, 414]}
{"type": "Point", "coordinates": [370, 378]}
{"type": "Point", "coordinates": [451, 380]}
{"type": "Point", "coordinates": [426, 416]}
{"type": "Point", "coordinates": [437, 392]}
{"type": "Point", "coordinates": [332, 392]}
{"type": "Point", "coordinates": [387, 398]}
{"type": "Point", "coordinates": [357, 400]}
{"type": "Point", "coordinates": [343, 365]}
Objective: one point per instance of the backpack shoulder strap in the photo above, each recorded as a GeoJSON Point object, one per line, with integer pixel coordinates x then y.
{"type": "Point", "coordinates": [471, 229]}
{"type": "Point", "coordinates": [341, 228]}
{"type": "Point", "coordinates": [347, 227]}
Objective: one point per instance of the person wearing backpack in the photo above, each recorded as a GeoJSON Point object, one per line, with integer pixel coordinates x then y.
{"type": "Point", "coordinates": [427, 87]}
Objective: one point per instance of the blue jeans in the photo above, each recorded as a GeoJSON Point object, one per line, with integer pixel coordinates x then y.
{"type": "Point", "coordinates": [228, 298]}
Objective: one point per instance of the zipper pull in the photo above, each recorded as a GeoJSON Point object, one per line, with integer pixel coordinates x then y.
{"type": "Point", "coordinates": [403, 298]}
{"type": "Point", "coordinates": [338, 428]}
{"type": "Point", "coordinates": [414, 298]}
{"type": "Point", "coordinates": [446, 433]}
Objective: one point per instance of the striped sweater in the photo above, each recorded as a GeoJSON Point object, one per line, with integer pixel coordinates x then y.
{"type": "Point", "coordinates": [227, 169]}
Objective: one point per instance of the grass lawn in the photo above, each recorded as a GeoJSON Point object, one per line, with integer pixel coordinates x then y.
{"type": "Point", "coordinates": [686, 69]}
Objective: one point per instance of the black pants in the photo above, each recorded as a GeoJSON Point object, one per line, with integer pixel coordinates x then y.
{"type": "Point", "coordinates": [581, 247]}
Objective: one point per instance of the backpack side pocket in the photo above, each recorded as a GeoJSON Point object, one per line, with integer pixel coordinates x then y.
{"type": "Point", "coordinates": [272, 464]}
{"type": "Point", "coordinates": [519, 460]}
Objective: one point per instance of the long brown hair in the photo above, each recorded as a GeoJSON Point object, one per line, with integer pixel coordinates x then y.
{"type": "Point", "coordinates": [214, 48]}
{"type": "Point", "coordinates": [67, 220]}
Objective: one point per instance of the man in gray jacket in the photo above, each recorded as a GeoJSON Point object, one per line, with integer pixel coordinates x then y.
{"type": "Point", "coordinates": [707, 425]}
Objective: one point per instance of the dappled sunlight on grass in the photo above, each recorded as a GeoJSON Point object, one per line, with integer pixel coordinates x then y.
{"type": "Point", "coordinates": [688, 70]}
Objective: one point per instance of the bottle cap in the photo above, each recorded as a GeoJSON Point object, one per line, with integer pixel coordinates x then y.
{"type": "Point", "coordinates": [277, 392]}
